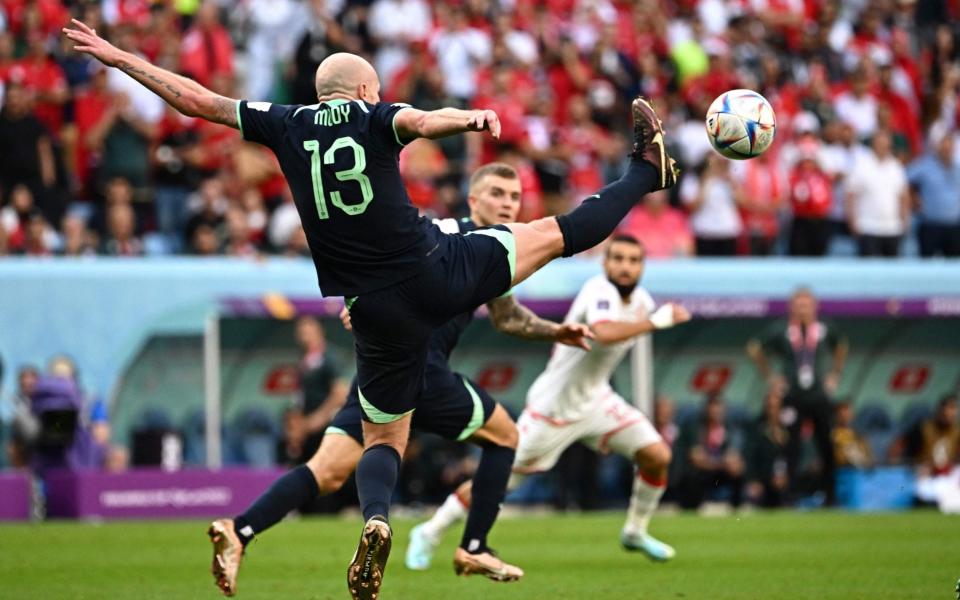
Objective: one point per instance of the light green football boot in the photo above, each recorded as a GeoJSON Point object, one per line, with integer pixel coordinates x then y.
{"type": "Point", "coordinates": [649, 545]}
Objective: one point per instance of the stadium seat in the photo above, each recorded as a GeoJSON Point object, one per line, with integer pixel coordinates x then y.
{"type": "Point", "coordinates": [254, 434]}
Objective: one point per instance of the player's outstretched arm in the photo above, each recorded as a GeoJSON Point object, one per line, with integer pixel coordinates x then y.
{"type": "Point", "coordinates": [512, 318]}
{"type": "Point", "coordinates": [411, 123]}
{"type": "Point", "coordinates": [613, 332]}
{"type": "Point", "coordinates": [188, 97]}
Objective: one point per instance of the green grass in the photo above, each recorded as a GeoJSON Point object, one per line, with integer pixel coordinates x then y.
{"type": "Point", "coordinates": [765, 556]}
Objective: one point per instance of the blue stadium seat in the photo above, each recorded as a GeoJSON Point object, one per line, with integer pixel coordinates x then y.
{"type": "Point", "coordinates": [254, 435]}
{"type": "Point", "coordinates": [914, 414]}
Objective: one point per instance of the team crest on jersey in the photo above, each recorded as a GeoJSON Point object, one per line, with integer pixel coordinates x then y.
{"type": "Point", "coordinates": [603, 304]}
{"type": "Point", "coordinates": [261, 106]}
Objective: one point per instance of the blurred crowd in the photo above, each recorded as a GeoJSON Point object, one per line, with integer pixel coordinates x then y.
{"type": "Point", "coordinates": [865, 93]}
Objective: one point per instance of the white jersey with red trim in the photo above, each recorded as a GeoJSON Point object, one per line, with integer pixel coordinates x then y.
{"type": "Point", "coordinates": [576, 380]}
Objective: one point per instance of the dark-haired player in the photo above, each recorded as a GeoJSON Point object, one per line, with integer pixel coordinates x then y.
{"type": "Point", "coordinates": [572, 401]}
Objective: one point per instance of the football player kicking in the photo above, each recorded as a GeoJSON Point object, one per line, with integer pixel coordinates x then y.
{"type": "Point", "coordinates": [572, 401]}
{"type": "Point", "coordinates": [451, 405]}
{"type": "Point", "coordinates": [401, 277]}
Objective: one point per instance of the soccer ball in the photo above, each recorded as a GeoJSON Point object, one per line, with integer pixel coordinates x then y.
{"type": "Point", "coordinates": [741, 124]}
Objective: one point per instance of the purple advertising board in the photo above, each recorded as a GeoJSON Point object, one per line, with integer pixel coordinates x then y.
{"type": "Point", "coordinates": [935, 307]}
{"type": "Point", "coordinates": [154, 494]}
{"type": "Point", "coordinates": [14, 497]}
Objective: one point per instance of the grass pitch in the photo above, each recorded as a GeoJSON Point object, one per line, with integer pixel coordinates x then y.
{"type": "Point", "coordinates": [779, 556]}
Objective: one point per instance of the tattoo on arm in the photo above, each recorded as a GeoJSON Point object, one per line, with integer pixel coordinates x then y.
{"type": "Point", "coordinates": [225, 112]}
{"type": "Point", "coordinates": [510, 317]}
{"type": "Point", "coordinates": [134, 71]}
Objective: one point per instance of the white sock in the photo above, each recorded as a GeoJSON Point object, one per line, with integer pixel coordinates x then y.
{"type": "Point", "coordinates": [644, 500]}
{"type": "Point", "coordinates": [450, 512]}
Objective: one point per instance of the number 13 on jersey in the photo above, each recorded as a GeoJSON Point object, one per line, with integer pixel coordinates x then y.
{"type": "Point", "coordinates": [354, 173]}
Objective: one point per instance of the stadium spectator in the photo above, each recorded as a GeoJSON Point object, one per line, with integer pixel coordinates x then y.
{"type": "Point", "coordinates": [850, 448]}
{"type": "Point", "coordinates": [275, 30]}
{"type": "Point", "coordinates": [935, 180]}
{"type": "Point", "coordinates": [15, 216]}
{"type": "Point", "coordinates": [208, 206]}
{"type": "Point", "coordinates": [712, 200]}
{"type": "Point", "coordinates": [938, 439]}
{"type": "Point", "coordinates": [395, 25]}
{"type": "Point", "coordinates": [291, 445]}
{"type": "Point", "coordinates": [803, 345]}
{"type": "Point", "coordinates": [122, 138]}
{"type": "Point", "coordinates": [26, 155]}
{"type": "Point", "coordinates": [76, 239]}
{"type": "Point", "coordinates": [767, 443]}
{"type": "Point", "coordinates": [878, 200]}
{"type": "Point", "coordinates": [323, 37]}
{"type": "Point", "coordinates": [323, 387]}
{"type": "Point", "coordinates": [205, 241]}
{"type": "Point", "coordinates": [936, 445]}
{"type": "Point", "coordinates": [206, 50]}
{"type": "Point", "coordinates": [664, 230]}
{"type": "Point", "coordinates": [714, 465]}
{"type": "Point", "coordinates": [891, 67]}
{"type": "Point", "coordinates": [39, 238]}
{"type": "Point", "coordinates": [764, 190]}
{"type": "Point", "coordinates": [121, 238]}
{"type": "Point", "coordinates": [857, 106]}
{"type": "Point", "coordinates": [24, 426]}
{"type": "Point", "coordinates": [663, 417]}
{"type": "Point", "coordinates": [238, 242]}
{"type": "Point", "coordinates": [811, 198]}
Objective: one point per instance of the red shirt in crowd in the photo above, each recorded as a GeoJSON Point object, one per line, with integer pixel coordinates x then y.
{"type": "Point", "coordinates": [206, 52]}
{"type": "Point", "coordinates": [42, 77]}
{"type": "Point", "coordinates": [811, 191]}
{"type": "Point", "coordinates": [89, 108]}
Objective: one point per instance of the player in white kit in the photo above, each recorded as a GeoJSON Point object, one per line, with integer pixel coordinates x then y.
{"type": "Point", "coordinates": [572, 400]}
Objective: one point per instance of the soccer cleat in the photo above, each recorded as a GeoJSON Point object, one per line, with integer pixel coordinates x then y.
{"type": "Point", "coordinates": [365, 573]}
{"type": "Point", "coordinates": [648, 144]}
{"type": "Point", "coordinates": [487, 564]}
{"type": "Point", "coordinates": [420, 549]}
{"type": "Point", "coordinates": [649, 545]}
{"type": "Point", "coordinates": [227, 553]}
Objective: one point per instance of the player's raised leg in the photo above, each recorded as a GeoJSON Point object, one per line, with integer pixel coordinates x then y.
{"type": "Point", "coordinates": [653, 463]}
{"type": "Point", "coordinates": [325, 473]}
{"type": "Point", "coordinates": [650, 169]}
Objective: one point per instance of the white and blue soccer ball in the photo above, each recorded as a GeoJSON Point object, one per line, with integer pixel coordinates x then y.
{"type": "Point", "coordinates": [741, 124]}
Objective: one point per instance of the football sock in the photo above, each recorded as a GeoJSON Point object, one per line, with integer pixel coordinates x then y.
{"type": "Point", "coordinates": [377, 474]}
{"type": "Point", "coordinates": [647, 492]}
{"type": "Point", "coordinates": [590, 223]}
{"type": "Point", "coordinates": [489, 488]}
{"type": "Point", "coordinates": [450, 512]}
{"type": "Point", "coordinates": [287, 493]}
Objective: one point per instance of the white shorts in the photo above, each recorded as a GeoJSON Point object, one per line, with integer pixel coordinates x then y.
{"type": "Point", "coordinates": [614, 426]}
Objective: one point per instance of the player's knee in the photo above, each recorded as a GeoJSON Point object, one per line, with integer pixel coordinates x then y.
{"type": "Point", "coordinates": [330, 480]}
{"type": "Point", "coordinates": [654, 458]}
{"type": "Point", "coordinates": [509, 437]}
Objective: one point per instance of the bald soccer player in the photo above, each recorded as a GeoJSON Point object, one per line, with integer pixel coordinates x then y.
{"type": "Point", "coordinates": [400, 275]}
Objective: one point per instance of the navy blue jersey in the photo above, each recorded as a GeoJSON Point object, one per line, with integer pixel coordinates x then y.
{"type": "Point", "coordinates": [341, 160]}
{"type": "Point", "coordinates": [446, 337]}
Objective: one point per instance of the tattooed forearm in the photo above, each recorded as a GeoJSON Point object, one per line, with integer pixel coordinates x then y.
{"type": "Point", "coordinates": [512, 318]}
{"type": "Point", "coordinates": [185, 95]}
{"type": "Point", "coordinates": [224, 111]}
{"type": "Point", "coordinates": [141, 75]}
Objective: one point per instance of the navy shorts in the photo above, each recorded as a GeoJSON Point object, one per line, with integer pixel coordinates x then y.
{"type": "Point", "coordinates": [392, 326]}
{"type": "Point", "coordinates": [451, 406]}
